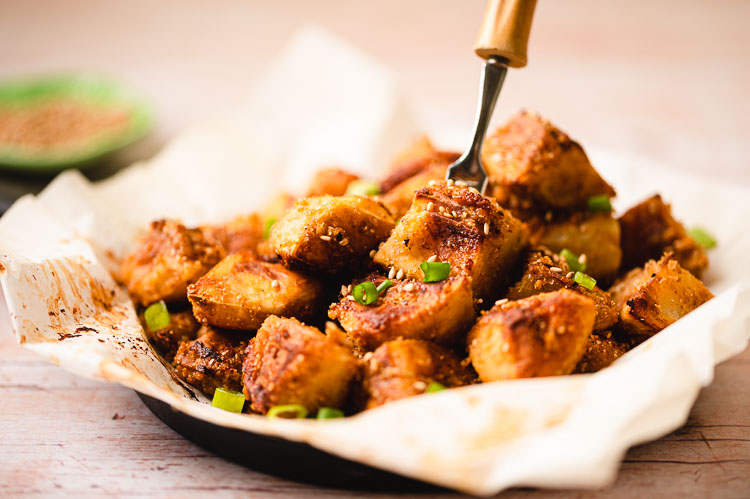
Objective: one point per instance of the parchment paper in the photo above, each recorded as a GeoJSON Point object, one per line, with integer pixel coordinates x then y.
{"type": "Point", "coordinates": [326, 103]}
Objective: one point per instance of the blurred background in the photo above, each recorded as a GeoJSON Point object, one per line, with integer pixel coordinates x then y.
{"type": "Point", "coordinates": [669, 79]}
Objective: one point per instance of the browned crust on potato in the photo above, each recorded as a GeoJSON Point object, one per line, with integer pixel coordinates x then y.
{"type": "Point", "coordinates": [542, 335]}
{"type": "Point", "coordinates": [601, 351]}
{"type": "Point", "coordinates": [453, 230]}
{"type": "Point", "coordinates": [240, 292]}
{"type": "Point", "coordinates": [406, 367]}
{"type": "Point", "coordinates": [539, 278]}
{"type": "Point", "coordinates": [440, 312]}
{"type": "Point", "coordinates": [168, 258]}
{"type": "Point", "coordinates": [649, 230]}
{"type": "Point", "coordinates": [290, 363]}
{"type": "Point", "coordinates": [213, 360]}
{"type": "Point", "coordinates": [242, 233]}
{"type": "Point", "coordinates": [330, 235]}
{"type": "Point", "coordinates": [655, 296]}
{"type": "Point", "coordinates": [533, 164]}
{"type": "Point", "coordinates": [182, 327]}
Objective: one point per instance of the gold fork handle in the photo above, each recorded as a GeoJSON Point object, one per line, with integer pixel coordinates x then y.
{"type": "Point", "coordinates": [505, 31]}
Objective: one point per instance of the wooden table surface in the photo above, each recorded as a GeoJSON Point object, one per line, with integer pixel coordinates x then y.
{"type": "Point", "coordinates": [668, 80]}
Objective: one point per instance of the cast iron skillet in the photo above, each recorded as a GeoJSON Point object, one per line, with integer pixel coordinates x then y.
{"type": "Point", "coordinates": [283, 458]}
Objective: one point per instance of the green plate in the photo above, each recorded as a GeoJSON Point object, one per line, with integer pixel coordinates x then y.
{"type": "Point", "coordinates": [91, 89]}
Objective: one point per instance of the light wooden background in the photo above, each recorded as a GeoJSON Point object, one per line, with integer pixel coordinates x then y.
{"type": "Point", "coordinates": [669, 80]}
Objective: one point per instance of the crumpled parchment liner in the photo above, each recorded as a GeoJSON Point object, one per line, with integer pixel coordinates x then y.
{"type": "Point", "coordinates": [326, 103]}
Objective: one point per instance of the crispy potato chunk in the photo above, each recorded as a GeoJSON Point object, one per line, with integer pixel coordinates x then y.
{"type": "Point", "coordinates": [168, 258]}
{"type": "Point", "coordinates": [331, 181]}
{"type": "Point", "coordinates": [181, 328]}
{"type": "Point", "coordinates": [213, 360]}
{"type": "Point", "coordinates": [649, 230]}
{"type": "Point", "coordinates": [533, 164]}
{"type": "Point", "coordinates": [240, 292]}
{"type": "Point", "coordinates": [329, 234]}
{"type": "Point", "coordinates": [460, 226]}
{"type": "Point", "coordinates": [600, 352]}
{"type": "Point", "coordinates": [543, 335]}
{"type": "Point", "coordinates": [539, 278]}
{"type": "Point", "coordinates": [653, 297]}
{"type": "Point", "coordinates": [242, 233]}
{"type": "Point", "coordinates": [596, 235]}
{"type": "Point", "coordinates": [291, 363]}
{"type": "Point", "coordinates": [439, 312]}
{"type": "Point", "coordinates": [402, 368]}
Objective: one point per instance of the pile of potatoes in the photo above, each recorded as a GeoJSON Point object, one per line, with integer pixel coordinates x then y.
{"type": "Point", "coordinates": [265, 305]}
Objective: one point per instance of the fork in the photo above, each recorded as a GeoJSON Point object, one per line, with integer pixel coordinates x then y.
{"type": "Point", "coordinates": [502, 41]}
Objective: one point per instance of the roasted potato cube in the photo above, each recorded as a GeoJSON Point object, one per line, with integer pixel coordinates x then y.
{"type": "Point", "coordinates": [596, 235]}
{"type": "Point", "coordinates": [291, 363]}
{"type": "Point", "coordinates": [406, 367]}
{"type": "Point", "coordinates": [213, 360]}
{"type": "Point", "coordinates": [439, 312]}
{"type": "Point", "coordinates": [538, 277]}
{"type": "Point", "coordinates": [331, 181]}
{"type": "Point", "coordinates": [460, 226]}
{"type": "Point", "coordinates": [168, 258]}
{"type": "Point", "coordinates": [181, 328]}
{"type": "Point", "coordinates": [542, 335]}
{"type": "Point", "coordinates": [399, 197]}
{"type": "Point", "coordinates": [240, 292]}
{"type": "Point", "coordinates": [653, 297]}
{"type": "Point", "coordinates": [329, 234]}
{"type": "Point", "coordinates": [533, 164]}
{"type": "Point", "coordinates": [649, 230]}
{"type": "Point", "coordinates": [242, 233]}
{"type": "Point", "coordinates": [601, 351]}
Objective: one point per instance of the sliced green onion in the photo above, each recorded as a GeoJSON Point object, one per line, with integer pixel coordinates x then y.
{"type": "Point", "coordinates": [435, 271]}
{"type": "Point", "coordinates": [365, 293]}
{"type": "Point", "coordinates": [384, 285]}
{"type": "Point", "coordinates": [267, 230]}
{"type": "Point", "coordinates": [284, 411]}
{"type": "Point", "coordinates": [156, 316]}
{"type": "Point", "coordinates": [329, 413]}
{"type": "Point", "coordinates": [228, 400]}
{"type": "Point", "coordinates": [702, 237]}
{"type": "Point", "coordinates": [599, 203]}
{"type": "Point", "coordinates": [572, 259]}
{"type": "Point", "coordinates": [362, 188]}
{"type": "Point", "coordinates": [434, 387]}
{"type": "Point", "coordinates": [584, 280]}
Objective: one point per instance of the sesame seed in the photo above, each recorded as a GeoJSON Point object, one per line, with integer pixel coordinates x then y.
{"type": "Point", "coordinates": [433, 258]}
{"type": "Point", "coordinates": [344, 290]}
{"type": "Point", "coordinates": [454, 214]}
{"type": "Point", "coordinates": [392, 273]}
{"type": "Point", "coordinates": [441, 209]}
{"type": "Point", "coordinates": [349, 287]}
{"type": "Point", "coordinates": [400, 274]}
{"type": "Point", "coordinates": [372, 253]}
{"type": "Point", "coordinates": [367, 356]}
{"type": "Point", "coordinates": [555, 269]}
{"type": "Point", "coordinates": [420, 385]}
{"type": "Point", "coordinates": [486, 228]}
{"type": "Point", "coordinates": [582, 258]}
{"type": "Point", "coordinates": [430, 206]}
{"type": "Point", "coordinates": [480, 300]}
{"type": "Point", "coordinates": [344, 241]}
{"type": "Point", "coordinates": [500, 302]}
{"type": "Point", "coordinates": [474, 190]}
{"type": "Point", "coordinates": [450, 182]}
{"type": "Point", "coordinates": [275, 284]}
{"type": "Point", "coordinates": [409, 287]}
{"type": "Point", "coordinates": [325, 238]}
{"type": "Point", "coordinates": [569, 275]}
{"type": "Point", "coordinates": [350, 297]}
